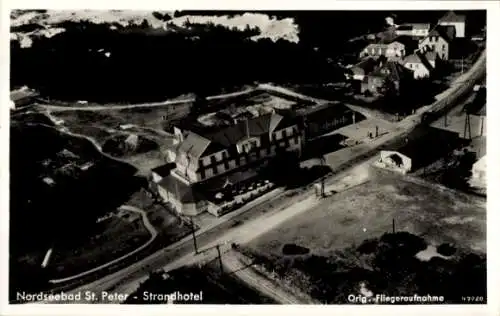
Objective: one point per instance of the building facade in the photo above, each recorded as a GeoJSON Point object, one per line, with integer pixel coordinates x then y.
{"type": "Point", "coordinates": [394, 49]}
{"type": "Point", "coordinates": [208, 161]}
{"type": "Point", "coordinates": [455, 20]}
{"type": "Point", "coordinates": [201, 158]}
{"type": "Point", "coordinates": [419, 65]}
{"type": "Point", "coordinates": [437, 43]}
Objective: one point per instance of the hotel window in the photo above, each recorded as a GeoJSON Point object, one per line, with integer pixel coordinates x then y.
{"type": "Point", "coordinates": [296, 140]}
{"type": "Point", "coordinates": [202, 173]}
{"type": "Point", "coordinates": [275, 137]}
{"type": "Point", "coordinates": [213, 160]}
{"type": "Point", "coordinates": [443, 48]}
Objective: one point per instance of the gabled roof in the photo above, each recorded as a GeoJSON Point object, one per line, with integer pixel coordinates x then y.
{"type": "Point", "coordinates": [452, 17]}
{"type": "Point", "coordinates": [426, 144]}
{"type": "Point", "coordinates": [194, 145]}
{"type": "Point", "coordinates": [441, 31]}
{"type": "Point", "coordinates": [23, 93]}
{"type": "Point", "coordinates": [365, 66]}
{"type": "Point", "coordinates": [417, 58]}
{"type": "Point", "coordinates": [164, 170]}
{"type": "Point", "coordinates": [431, 56]}
{"type": "Point", "coordinates": [391, 70]}
{"type": "Point", "coordinates": [413, 58]}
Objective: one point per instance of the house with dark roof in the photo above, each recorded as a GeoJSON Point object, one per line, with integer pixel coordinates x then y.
{"type": "Point", "coordinates": [390, 75]}
{"type": "Point", "coordinates": [421, 147]}
{"type": "Point", "coordinates": [457, 21]}
{"type": "Point", "coordinates": [439, 41]}
{"type": "Point", "coordinates": [418, 64]}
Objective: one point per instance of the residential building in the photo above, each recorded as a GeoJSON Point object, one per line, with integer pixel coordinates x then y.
{"type": "Point", "coordinates": [389, 50]}
{"type": "Point", "coordinates": [438, 41]}
{"type": "Point", "coordinates": [419, 65]}
{"type": "Point", "coordinates": [478, 178]}
{"type": "Point", "coordinates": [413, 29]}
{"type": "Point", "coordinates": [22, 97]}
{"type": "Point", "coordinates": [432, 58]}
{"type": "Point", "coordinates": [361, 69]}
{"type": "Point", "coordinates": [455, 20]}
{"type": "Point", "coordinates": [420, 148]}
{"type": "Point", "coordinates": [390, 75]}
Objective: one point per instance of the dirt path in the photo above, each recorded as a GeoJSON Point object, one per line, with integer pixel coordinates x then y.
{"type": "Point", "coordinates": [143, 105]}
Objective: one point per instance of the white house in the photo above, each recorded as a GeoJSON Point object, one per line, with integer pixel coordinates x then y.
{"type": "Point", "coordinates": [418, 64]}
{"type": "Point", "coordinates": [395, 49]}
{"type": "Point", "coordinates": [453, 19]}
{"type": "Point", "coordinates": [478, 178]}
{"type": "Point", "coordinates": [436, 42]}
{"type": "Point", "coordinates": [391, 50]}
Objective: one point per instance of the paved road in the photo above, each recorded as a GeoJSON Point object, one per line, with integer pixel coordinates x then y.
{"type": "Point", "coordinates": [179, 252]}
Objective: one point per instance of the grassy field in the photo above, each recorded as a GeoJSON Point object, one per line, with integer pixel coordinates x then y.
{"type": "Point", "coordinates": [346, 246]}
{"type": "Point", "coordinates": [113, 238]}
{"type": "Point", "coordinates": [340, 221]}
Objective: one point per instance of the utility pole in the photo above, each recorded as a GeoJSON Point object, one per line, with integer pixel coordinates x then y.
{"type": "Point", "coordinates": [194, 236]}
{"type": "Point", "coordinates": [220, 259]}
{"type": "Point", "coordinates": [323, 162]}
{"type": "Point", "coordinates": [467, 126]}
{"type": "Point", "coordinates": [482, 125]}
{"type": "Point", "coordinates": [393, 226]}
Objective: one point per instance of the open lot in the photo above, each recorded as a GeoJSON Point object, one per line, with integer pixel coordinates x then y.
{"type": "Point", "coordinates": [345, 245]}
{"type": "Point", "coordinates": [422, 210]}
{"type": "Point", "coordinates": [112, 238]}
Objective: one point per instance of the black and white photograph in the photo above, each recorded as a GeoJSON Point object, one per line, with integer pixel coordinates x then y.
{"type": "Point", "coordinates": [304, 157]}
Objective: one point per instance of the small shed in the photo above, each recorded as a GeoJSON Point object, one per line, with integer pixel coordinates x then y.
{"type": "Point", "coordinates": [420, 148]}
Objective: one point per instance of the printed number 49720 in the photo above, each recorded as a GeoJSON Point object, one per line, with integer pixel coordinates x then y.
{"type": "Point", "coordinates": [472, 299]}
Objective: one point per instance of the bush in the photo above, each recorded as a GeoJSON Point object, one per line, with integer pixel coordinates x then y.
{"type": "Point", "coordinates": [368, 246]}
{"type": "Point", "coordinates": [446, 249]}
{"type": "Point", "coordinates": [292, 249]}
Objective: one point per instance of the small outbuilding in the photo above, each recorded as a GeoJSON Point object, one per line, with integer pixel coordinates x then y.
{"type": "Point", "coordinates": [420, 148]}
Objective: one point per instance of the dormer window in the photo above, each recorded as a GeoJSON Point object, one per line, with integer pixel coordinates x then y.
{"type": "Point", "coordinates": [247, 145]}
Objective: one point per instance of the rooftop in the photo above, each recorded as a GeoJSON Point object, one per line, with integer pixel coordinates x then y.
{"type": "Point", "coordinates": [451, 16]}
{"type": "Point", "coordinates": [164, 170]}
{"type": "Point", "coordinates": [202, 140]}
{"type": "Point", "coordinates": [426, 144]}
